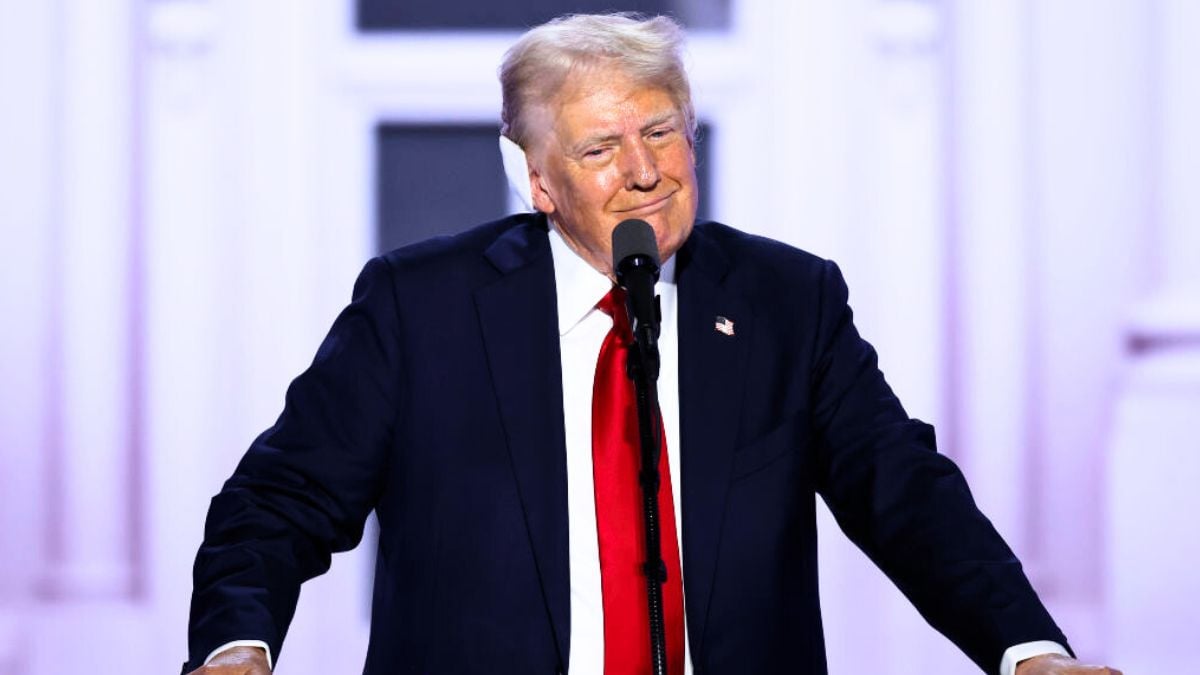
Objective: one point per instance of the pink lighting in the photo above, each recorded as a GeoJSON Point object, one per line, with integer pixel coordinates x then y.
{"type": "Point", "coordinates": [186, 196]}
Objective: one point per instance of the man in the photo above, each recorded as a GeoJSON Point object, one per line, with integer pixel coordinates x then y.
{"type": "Point", "coordinates": [459, 396]}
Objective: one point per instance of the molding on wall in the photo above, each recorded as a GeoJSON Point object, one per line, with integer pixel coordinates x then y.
{"type": "Point", "coordinates": [1168, 320]}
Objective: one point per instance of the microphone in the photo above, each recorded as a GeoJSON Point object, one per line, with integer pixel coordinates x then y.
{"type": "Point", "coordinates": [635, 261]}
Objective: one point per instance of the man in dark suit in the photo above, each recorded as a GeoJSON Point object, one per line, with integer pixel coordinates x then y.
{"type": "Point", "coordinates": [453, 397]}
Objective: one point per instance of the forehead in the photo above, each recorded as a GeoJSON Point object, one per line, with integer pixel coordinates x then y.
{"type": "Point", "coordinates": [595, 98]}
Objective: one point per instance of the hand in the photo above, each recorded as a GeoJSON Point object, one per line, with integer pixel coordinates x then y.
{"type": "Point", "coordinates": [236, 661]}
{"type": "Point", "coordinates": [1053, 664]}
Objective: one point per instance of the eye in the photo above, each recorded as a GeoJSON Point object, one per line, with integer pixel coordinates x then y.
{"type": "Point", "coordinates": [596, 154]}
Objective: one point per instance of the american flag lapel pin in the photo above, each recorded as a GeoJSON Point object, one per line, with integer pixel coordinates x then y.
{"type": "Point", "coordinates": [724, 326]}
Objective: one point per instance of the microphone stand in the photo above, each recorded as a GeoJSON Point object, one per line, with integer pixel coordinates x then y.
{"type": "Point", "coordinates": [642, 367]}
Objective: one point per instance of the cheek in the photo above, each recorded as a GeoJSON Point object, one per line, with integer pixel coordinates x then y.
{"type": "Point", "coordinates": [683, 169]}
{"type": "Point", "coordinates": [606, 185]}
{"type": "Point", "coordinates": [590, 189]}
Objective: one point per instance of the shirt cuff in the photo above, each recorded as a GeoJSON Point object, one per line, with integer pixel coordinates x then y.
{"type": "Point", "coordinates": [1027, 650]}
{"type": "Point", "coordinates": [249, 643]}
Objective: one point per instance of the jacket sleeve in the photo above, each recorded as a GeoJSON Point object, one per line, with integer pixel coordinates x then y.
{"type": "Point", "coordinates": [306, 485]}
{"type": "Point", "coordinates": [907, 506]}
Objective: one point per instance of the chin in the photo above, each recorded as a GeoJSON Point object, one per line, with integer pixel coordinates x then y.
{"type": "Point", "coordinates": [670, 245]}
{"type": "Point", "coordinates": [668, 234]}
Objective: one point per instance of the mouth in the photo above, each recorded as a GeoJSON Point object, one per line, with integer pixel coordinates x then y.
{"type": "Point", "coordinates": [648, 207]}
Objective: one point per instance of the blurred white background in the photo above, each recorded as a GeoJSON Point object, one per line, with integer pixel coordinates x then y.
{"type": "Point", "coordinates": [188, 188]}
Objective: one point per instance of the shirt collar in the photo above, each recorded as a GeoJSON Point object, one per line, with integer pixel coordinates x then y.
{"type": "Point", "coordinates": [579, 286]}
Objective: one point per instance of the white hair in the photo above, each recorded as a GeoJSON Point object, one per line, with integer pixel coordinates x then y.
{"type": "Point", "coordinates": [535, 68]}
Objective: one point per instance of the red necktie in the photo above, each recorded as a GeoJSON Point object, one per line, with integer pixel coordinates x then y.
{"type": "Point", "coordinates": [616, 459]}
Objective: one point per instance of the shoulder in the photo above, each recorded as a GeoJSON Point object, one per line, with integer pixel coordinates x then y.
{"type": "Point", "coordinates": [740, 243]}
{"type": "Point", "coordinates": [758, 262]}
{"type": "Point", "coordinates": [468, 257]}
{"type": "Point", "coordinates": [471, 243]}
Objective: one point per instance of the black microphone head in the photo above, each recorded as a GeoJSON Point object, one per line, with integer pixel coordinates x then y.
{"type": "Point", "coordinates": [633, 239]}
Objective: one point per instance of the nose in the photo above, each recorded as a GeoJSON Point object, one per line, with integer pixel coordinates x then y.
{"type": "Point", "coordinates": [641, 168]}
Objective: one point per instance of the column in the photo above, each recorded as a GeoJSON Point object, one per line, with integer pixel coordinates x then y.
{"type": "Point", "coordinates": [91, 455]}
{"type": "Point", "coordinates": [990, 240]}
{"type": "Point", "coordinates": [28, 78]}
{"type": "Point", "coordinates": [191, 388]}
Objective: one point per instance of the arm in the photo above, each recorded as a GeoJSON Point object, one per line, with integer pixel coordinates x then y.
{"type": "Point", "coordinates": [305, 486]}
{"type": "Point", "coordinates": [908, 507]}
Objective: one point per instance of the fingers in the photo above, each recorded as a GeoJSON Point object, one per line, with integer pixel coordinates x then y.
{"type": "Point", "coordinates": [1080, 669]}
{"type": "Point", "coordinates": [235, 669]}
{"type": "Point", "coordinates": [232, 669]}
{"type": "Point", "coordinates": [1061, 665]}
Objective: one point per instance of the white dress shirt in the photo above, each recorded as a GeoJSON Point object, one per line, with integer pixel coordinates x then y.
{"type": "Point", "coordinates": [581, 330]}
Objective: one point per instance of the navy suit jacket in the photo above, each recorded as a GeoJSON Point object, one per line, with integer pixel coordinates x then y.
{"type": "Point", "coordinates": [435, 400]}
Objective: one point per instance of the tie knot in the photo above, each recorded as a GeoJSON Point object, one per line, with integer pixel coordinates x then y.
{"type": "Point", "coordinates": [613, 300]}
{"type": "Point", "coordinates": [613, 304]}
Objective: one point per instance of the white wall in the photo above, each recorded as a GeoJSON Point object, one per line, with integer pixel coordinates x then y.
{"type": "Point", "coordinates": [187, 182]}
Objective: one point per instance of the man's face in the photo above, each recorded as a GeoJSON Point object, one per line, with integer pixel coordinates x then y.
{"type": "Point", "coordinates": [611, 149]}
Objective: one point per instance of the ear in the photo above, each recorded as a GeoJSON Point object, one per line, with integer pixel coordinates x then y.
{"type": "Point", "coordinates": [540, 192]}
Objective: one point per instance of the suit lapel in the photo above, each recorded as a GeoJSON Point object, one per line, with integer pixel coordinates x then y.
{"type": "Point", "coordinates": [519, 320]}
{"type": "Point", "coordinates": [712, 367]}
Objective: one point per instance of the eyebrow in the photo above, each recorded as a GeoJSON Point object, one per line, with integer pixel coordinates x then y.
{"type": "Point", "coordinates": [661, 118]}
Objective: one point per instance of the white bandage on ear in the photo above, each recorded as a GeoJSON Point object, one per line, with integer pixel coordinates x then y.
{"type": "Point", "coordinates": [516, 168]}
